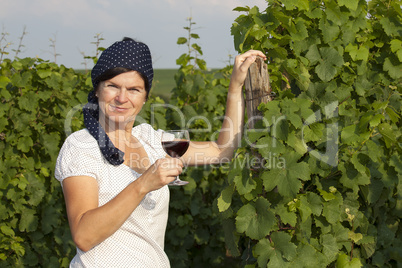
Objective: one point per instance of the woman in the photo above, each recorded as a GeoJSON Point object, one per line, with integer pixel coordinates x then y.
{"type": "Point", "coordinates": [115, 177]}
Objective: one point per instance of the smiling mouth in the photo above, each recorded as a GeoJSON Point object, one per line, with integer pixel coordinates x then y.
{"type": "Point", "coordinates": [117, 109]}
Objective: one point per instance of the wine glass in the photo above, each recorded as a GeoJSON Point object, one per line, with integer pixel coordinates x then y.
{"type": "Point", "coordinates": [175, 143]}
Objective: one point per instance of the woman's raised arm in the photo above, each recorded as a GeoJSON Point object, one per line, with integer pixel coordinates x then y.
{"type": "Point", "coordinates": [201, 153]}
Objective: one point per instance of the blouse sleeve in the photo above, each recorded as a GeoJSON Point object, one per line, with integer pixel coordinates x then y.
{"type": "Point", "coordinates": [79, 156]}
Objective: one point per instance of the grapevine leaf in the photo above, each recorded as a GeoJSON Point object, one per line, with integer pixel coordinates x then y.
{"type": "Point", "coordinates": [358, 166]}
{"type": "Point", "coordinates": [263, 251]}
{"type": "Point", "coordinates": [326, 69]}
{"type": "Point", "coordinates": [355, 237]}
{"type": "Point", "coordinates": [341, 234]}
{"type": "Point", "coordinates": [43, 73]}
{"type": "Point", "coordinates": [351, 178]}
{"type": "Point", "coordinates": [18, 249]}
{"type": "Point", "coordinates": [315, 203]}
{"type": "Point", "coordinates": [4, 92]}
{"type": "Point", "coordinates": [344, 261]}
{"type": "Point", "coordinates": [313, 132]}
{"type": "Point", "coordinates": [257, 32]}
{"type": "Point", "coordinates": [313, 55]}
{"type": "Point", "coordinates": [236, 167]}
{"type": "Point", "coordinates": [327, 196]}
{"type": "Point", "coordinates": [349, 135]}
{"type": "Point", "coordinates": [396, 162]}
{"type": "Point", "coordinates": [300, 4]}
{"type": "Point", "coordinates": [51, 143]}
{"type": "Point", "coordinates": [375, 189]}
{"type": "Point", "coordinates": [331, 210]}
{"type": "Point", "coordinates": [368, 249]}
{"type": "Point", "coordinates": [35, 186]}
{"type": "Point", "coordinates": [256, 220]}
{"type": "Point", "coordinates": [297, 144]}
{"type": "Point", "coordinates": [330, 31]}
{"type": "Point", "coordinates": [231, 240]}
{"type": "Point", "coordinates": [305, 109]}
{"type": "Point", "coordinates": [28, 102]}
{"type": "Point", "coordinates": [189, 112]}
{"type": "Point", "coordinates": [315, 13]}
{"type": "Point", "coordinates": [29, 221]}
{"type": "Point", "coordinates": [280, 129]}
{"type": "Point", "coordinates": [300, 30]}
{"type": "Point", "coordinates": [253, 135]}
{"type": "Point", "coordinates": [307, 256]}
{"type": "Point", "coordinates": [304, 208]}
{"type": "Point", "coordinates": [287, 217]}
{"type": "Point", "coordinates": [49, 222]}
{"type": "Point", "coordinates": [271, 111]}
{"type": "Point", "coordinates": [211, 100]}
{"type": "Point", "coordinates": [330, 247]}
{"type": "Point", "coordinates": [390, 26]}
{"type": "Point", "coordinates": [7, 230]}
{"type": "Point", "coordinates": [395, 45]}
{"type": "Point", "coordinates": [289, 108]}
{"type": "Point", "coordinates": [269, 148]}
{"type": "Point", "coordinates": [376, 120]}
{"type": "Point", "coordinates": [287, 178]}
{"type": "Point", "coordinates": [333, 12]}
{"type": "Point", "coordinates": [356, 53]}
{"type": "Point", "coordinates": [387, 133]}
{"type": "Point", "coordinates": [283, 244]}
{"type": "Point", "coordinates": [351, 4]}
{"type": "Point", "coordinates": [225, 198]}
{"type": "Point", "coordinates": [4, 80]}
{"type": "Point", "coordinates": [244, 182]}
{"type": "Point", "coordinates": [25, 144]}
{"type": "Point", "coordinates": [241, 9]}
{"type": "Point", "coordinates": [278, 252]}
{"type": "Point", "coordinates": [393, 115]}
{"type": "Point", "coordinates": [181, 40]}
{"type": "Point", "coordinates": [393, 71]}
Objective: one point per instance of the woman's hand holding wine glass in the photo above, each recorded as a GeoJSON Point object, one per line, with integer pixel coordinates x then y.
{"type": "Point", "coordinates": [175, 143]}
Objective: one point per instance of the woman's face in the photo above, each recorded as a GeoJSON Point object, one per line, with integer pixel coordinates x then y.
{"type": "Point", "coordinates": [121, 98]}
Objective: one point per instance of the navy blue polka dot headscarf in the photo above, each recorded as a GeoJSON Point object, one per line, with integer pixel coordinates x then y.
{"type": "Point", "coordinates": [127, 54]}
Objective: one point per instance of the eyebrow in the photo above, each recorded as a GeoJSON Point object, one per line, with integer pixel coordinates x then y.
{"type": "Point", "coordinates": [142, 87]}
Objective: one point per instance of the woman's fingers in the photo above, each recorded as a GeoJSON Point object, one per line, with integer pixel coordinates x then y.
{"type": "Point", "coordinates": [162, 172]}
{"type": "Point", "coordinates": [167, 168]}
{"type": "Point", "coordinates": [242, 63]}
{"type": "Point", "coordinates": [249, 57]}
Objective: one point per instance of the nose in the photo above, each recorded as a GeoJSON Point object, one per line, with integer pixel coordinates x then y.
{"type": "Point", "coordinates": [121, 96]}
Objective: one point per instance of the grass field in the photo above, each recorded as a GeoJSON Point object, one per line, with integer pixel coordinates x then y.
{"type": "Point", "coordinates": [163, 83]}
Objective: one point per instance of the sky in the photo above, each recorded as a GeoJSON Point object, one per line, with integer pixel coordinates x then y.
{"type": "Point", "coordinates": [67, 28]}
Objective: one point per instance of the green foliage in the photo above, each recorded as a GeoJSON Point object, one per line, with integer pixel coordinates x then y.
{"type": "Point", "coordinates": [329, 190]}
{"type": "Point", "coordinates": [36, 98]}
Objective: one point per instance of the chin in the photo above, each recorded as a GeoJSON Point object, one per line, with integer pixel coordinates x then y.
{"type": "Point", "coordinates": [120, 119]}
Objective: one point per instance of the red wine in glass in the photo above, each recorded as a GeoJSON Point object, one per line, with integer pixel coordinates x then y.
{"type": "Point", "coordinates": [175, 143]}
{"type": "Point", "coordinates": [175, 148]}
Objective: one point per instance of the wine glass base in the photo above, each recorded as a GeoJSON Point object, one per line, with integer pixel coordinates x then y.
{"type": "Point", "coordinates": [178, 182]}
